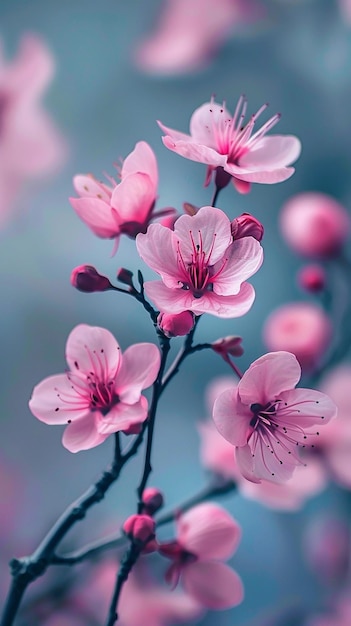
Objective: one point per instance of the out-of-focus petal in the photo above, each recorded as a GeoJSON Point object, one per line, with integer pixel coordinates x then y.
{"type": "Point", "coordinates": [215, 585]}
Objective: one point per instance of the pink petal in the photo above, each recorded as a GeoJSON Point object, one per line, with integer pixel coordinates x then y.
{"type": "Point", "coordinates": [204, 122]}
{"type": "Point", "coordinates": [93, 350]}
{"type": "Point", "coordinates": [82, 434]}
{"type": "Point", "coordinates": [209, 229]}
{"type": "Point", "coordinates": [245, 463]}
{"type": "Point", "coordinates": [177, 300]}
{"type": "Point", "coordinates": [271, 153]}
{"type": "Point", "coordinates": [87, 186]}
{"type": "Point", "coordinates": [139, 369]}
{"type": "Point", "coordinates": [31, 70]}
{"type": "Point", "coordinates": [122, 416]}
{"type": "Point", "coordinates": [175, 135]}
{"type": "Point", "coordinates": [208, 531]}
{"type": "Point", "coordinates": [243, 258]}
{"type": "Point", "coordinates": [158, 249]}
{"type": "Point", "coordinates": [48, 407]}
{"type": "Point", "coordinates": [268, 376]}
{"type": "Point", "coordinates": [268, 463]}
{"type": "Point", "coordinates": [310, 408]}
{"type": "Point", "coordinates": [141, 160]}
{"type": "Point", "coordinates": [232, 418]}
{"type": "Point", "coordinates": [195, 152]}
{"type": "Point", "coordinates": [338, 460]}
{"type": "Point", "coordinates": [265, 177]}
{"type": "Point", "coordinates": [133, 198]}
{"type": "Point", "coordinates": [215, 585]}
{"type": "Point", "coordinates": [97, 214]}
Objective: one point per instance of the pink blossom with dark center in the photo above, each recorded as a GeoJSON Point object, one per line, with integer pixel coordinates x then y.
{"type": "Point", "coordinates": [125, 208]}
{"type": "Point", "coordinates": [226, 143]}
{"type": "Point", "coordinates": [206, 536]}
{"type": "Point", "coordinates": [268, 420]}
{"type": "Point", "coordinates": [100, 394]}
{"type": "Point", "coordinates": [202, 269]}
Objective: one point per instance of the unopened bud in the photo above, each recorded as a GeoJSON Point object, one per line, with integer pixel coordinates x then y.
{"type": "Point", "coordinates": [247, 226]}
{"type": "Point", "coordinates": [312, 278]}
{"type": "Point", "coordinates": [228, 345]}
{"type": "Point", "coordinates": [125, 276]}
{"type": "Point", "coordinates": [86, 278]}
{"type": "Point", "coordinates": [152, 500]}
{"type": "Point", "coordinates": [176, 324]}
{"type": "Point", "coordinates": [140, 528]}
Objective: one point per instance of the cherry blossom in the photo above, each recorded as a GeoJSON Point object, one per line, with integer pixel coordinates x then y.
{"type": "Point", "coordinates": [100, 394]}
{"type": "Point", "coordinates": [202, 269]}
{"type": "Point", "coordinates": [267, 419]}
{"type": "Point", "coordinates": [30, 145]}
{"type": "Point", "coordinates": [206, 536]}
{"type": "Point", "coordinates": [225, 143]}
{"type": "Point", "coordinates": [188, 33]}
{"type": "Point", "coordinates": [111, 210]}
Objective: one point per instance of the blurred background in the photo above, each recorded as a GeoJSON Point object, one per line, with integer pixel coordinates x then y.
{"type": "Point", "coordinates": [106, 94]}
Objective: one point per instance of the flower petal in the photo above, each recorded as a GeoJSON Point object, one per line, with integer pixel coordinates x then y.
{"type": "Point", "coordinates": [309, 407]}
{"type": "Point", "coordinates": [270, 153]}
{"type": "Point", "coordinates": [133, 198]}
{"type": "Point", "coordinates": [82, 434]}
{"type": "Point", "coordinates": [195, 152]}
{"type": "Point", "coordinates": [204, 123]}
{"type": "Point", "coordinates": [208, 230]}
{"type": "Point", "coordinates": [232, 418]}
{"type": "Point", "coordinates": [158, 249]}
{"type": "Point", "coordinates": [265, 177]}
{"type": "Point", "coordinates": [139, 369]}
{"type": "Point", "coordinates": [215, 585]}
{"type": "Point", "coordinates": [122, 416]}
{"type": "Point", "coordinates": [268, 376]}
{"type": "Point", "coordinates": [243, 258]}
{"type": "Point", "coordinates": [97, 214]}
{"type": "Point", "coordinates": [245, 463]}
{"type": "Point", "coordinates": [93, 351]}
{"type": "Point", "coordinates": [208, 531]}
{"type": "Point", "coordinates": [141, 160]}
{"type": "Point", "coordinates": [176, 135]}
{"type": "Point", "coordinates": [87, 186]}
{"type": "Point", "coordinates": [55, 401]}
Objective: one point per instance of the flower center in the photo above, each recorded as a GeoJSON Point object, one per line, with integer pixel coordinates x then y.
{"type": "Point", "coordinates": [197, 274]}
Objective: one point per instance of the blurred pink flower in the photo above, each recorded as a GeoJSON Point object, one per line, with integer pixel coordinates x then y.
{"type": "Point", "coordinates": [202, 269]}
{"type": "Point", "coordinates": [312, 278]}
{"type": "Point", "coordinates": [222, 141]}
{"type": "Point", "coordinates": [100, 394]}
{"type": "Point", "coordinates": [206, 536]}
{"type": "Point", "coordinates": [341, 616]}
{"type": "Point", "coordinates": [299, 327]}
{"type": "Point", "coordinates": [125, 208]}
{"type": "Point", "coordinates": [266, 418]}
{"type": "Point", "coordinates": [189, 33]}
{"type": "Point", "coordinates": [326, 543]}
{"type": "Point", "coordinates": [314, 224]}
{"type": "Point", "coordinates": [30, 145]}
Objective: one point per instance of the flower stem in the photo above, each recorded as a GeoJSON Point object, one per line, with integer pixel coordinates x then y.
{"type": "Point", "coordinates": [129, 560]}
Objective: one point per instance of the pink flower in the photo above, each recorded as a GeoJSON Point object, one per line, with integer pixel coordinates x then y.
{"type": "Point", "coordinates": [188, 33]}
{"type": "Point", "coordinates": [315, 224]}
{"type": "Point", "coordinates": [267, 419]}
{"type": "Point", "coordinates": [222, 141]}
{"type": "Point", "coordinates": [125, 208]}
{"type": "Point", "coordinates": [30, 145]}
{"type": "Point", "coordinates": [100, 394]}
{"type": "Point", "coordinates": [299, 327]}
{"type": "Point", "coordinates": [202, 269]}
{"type": "Point", "coordinates": [206, 536]}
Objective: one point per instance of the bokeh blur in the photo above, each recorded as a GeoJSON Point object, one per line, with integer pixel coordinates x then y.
{"type": "Point", "coordinates": [102, 99]}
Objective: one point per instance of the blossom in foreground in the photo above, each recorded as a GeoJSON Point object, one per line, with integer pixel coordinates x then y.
{"type": "Point", "coordinates": [100, 394]}
{"type": "Point", "coordinates": [30, 145]}
{"type": "Point", "coordinates": [226, 143]}
{"type": "Point", "coordinates": [299, 327]}
{"type": "Point", "coordinates": [188, 34]}
{"type": "Point", "coordinates": [206, 536]}
{"type": "Point", "coordinates": [111, 210]}
{"type": "Point", "coordinates": [202, 269]}
{"type": "Point", "coordinates": [267, 419]}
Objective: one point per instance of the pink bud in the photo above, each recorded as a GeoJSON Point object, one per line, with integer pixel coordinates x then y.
{"type": "Point", "coordinates": [314, 224]}
{"type": "Point", "coordinates": [301, 328]}
{"type": "Point", "coordinates": [125, 276]}
{"type": "Point", "coordinates": [228, 345]}
{"type": "Point", "coordinates": [140, 528]}
{"type": "Point", "coordinates": [247, 226]}
{"type": "Point", "coordinates": [312, 278]}
{"type": "Point", "coordinates": [176, 324]}
{"type": "Point", "coordinates": [152, 500]}
{"type": "Point", "coordinates": [86, 278]}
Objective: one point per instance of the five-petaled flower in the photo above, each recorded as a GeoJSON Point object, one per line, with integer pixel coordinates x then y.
{"type": "Point", "coordinates": [267, 419]}
{"type": "Point", "coordinates": [202, 269]}
{"type": "Point", "coordinates": [222, 141]}
{"type": "Point", "coordinates": [206, 536]}
{"type": "Point", "coordinates": [100, 394]}
{"type": "Point", "coordinates": [125, 208]}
